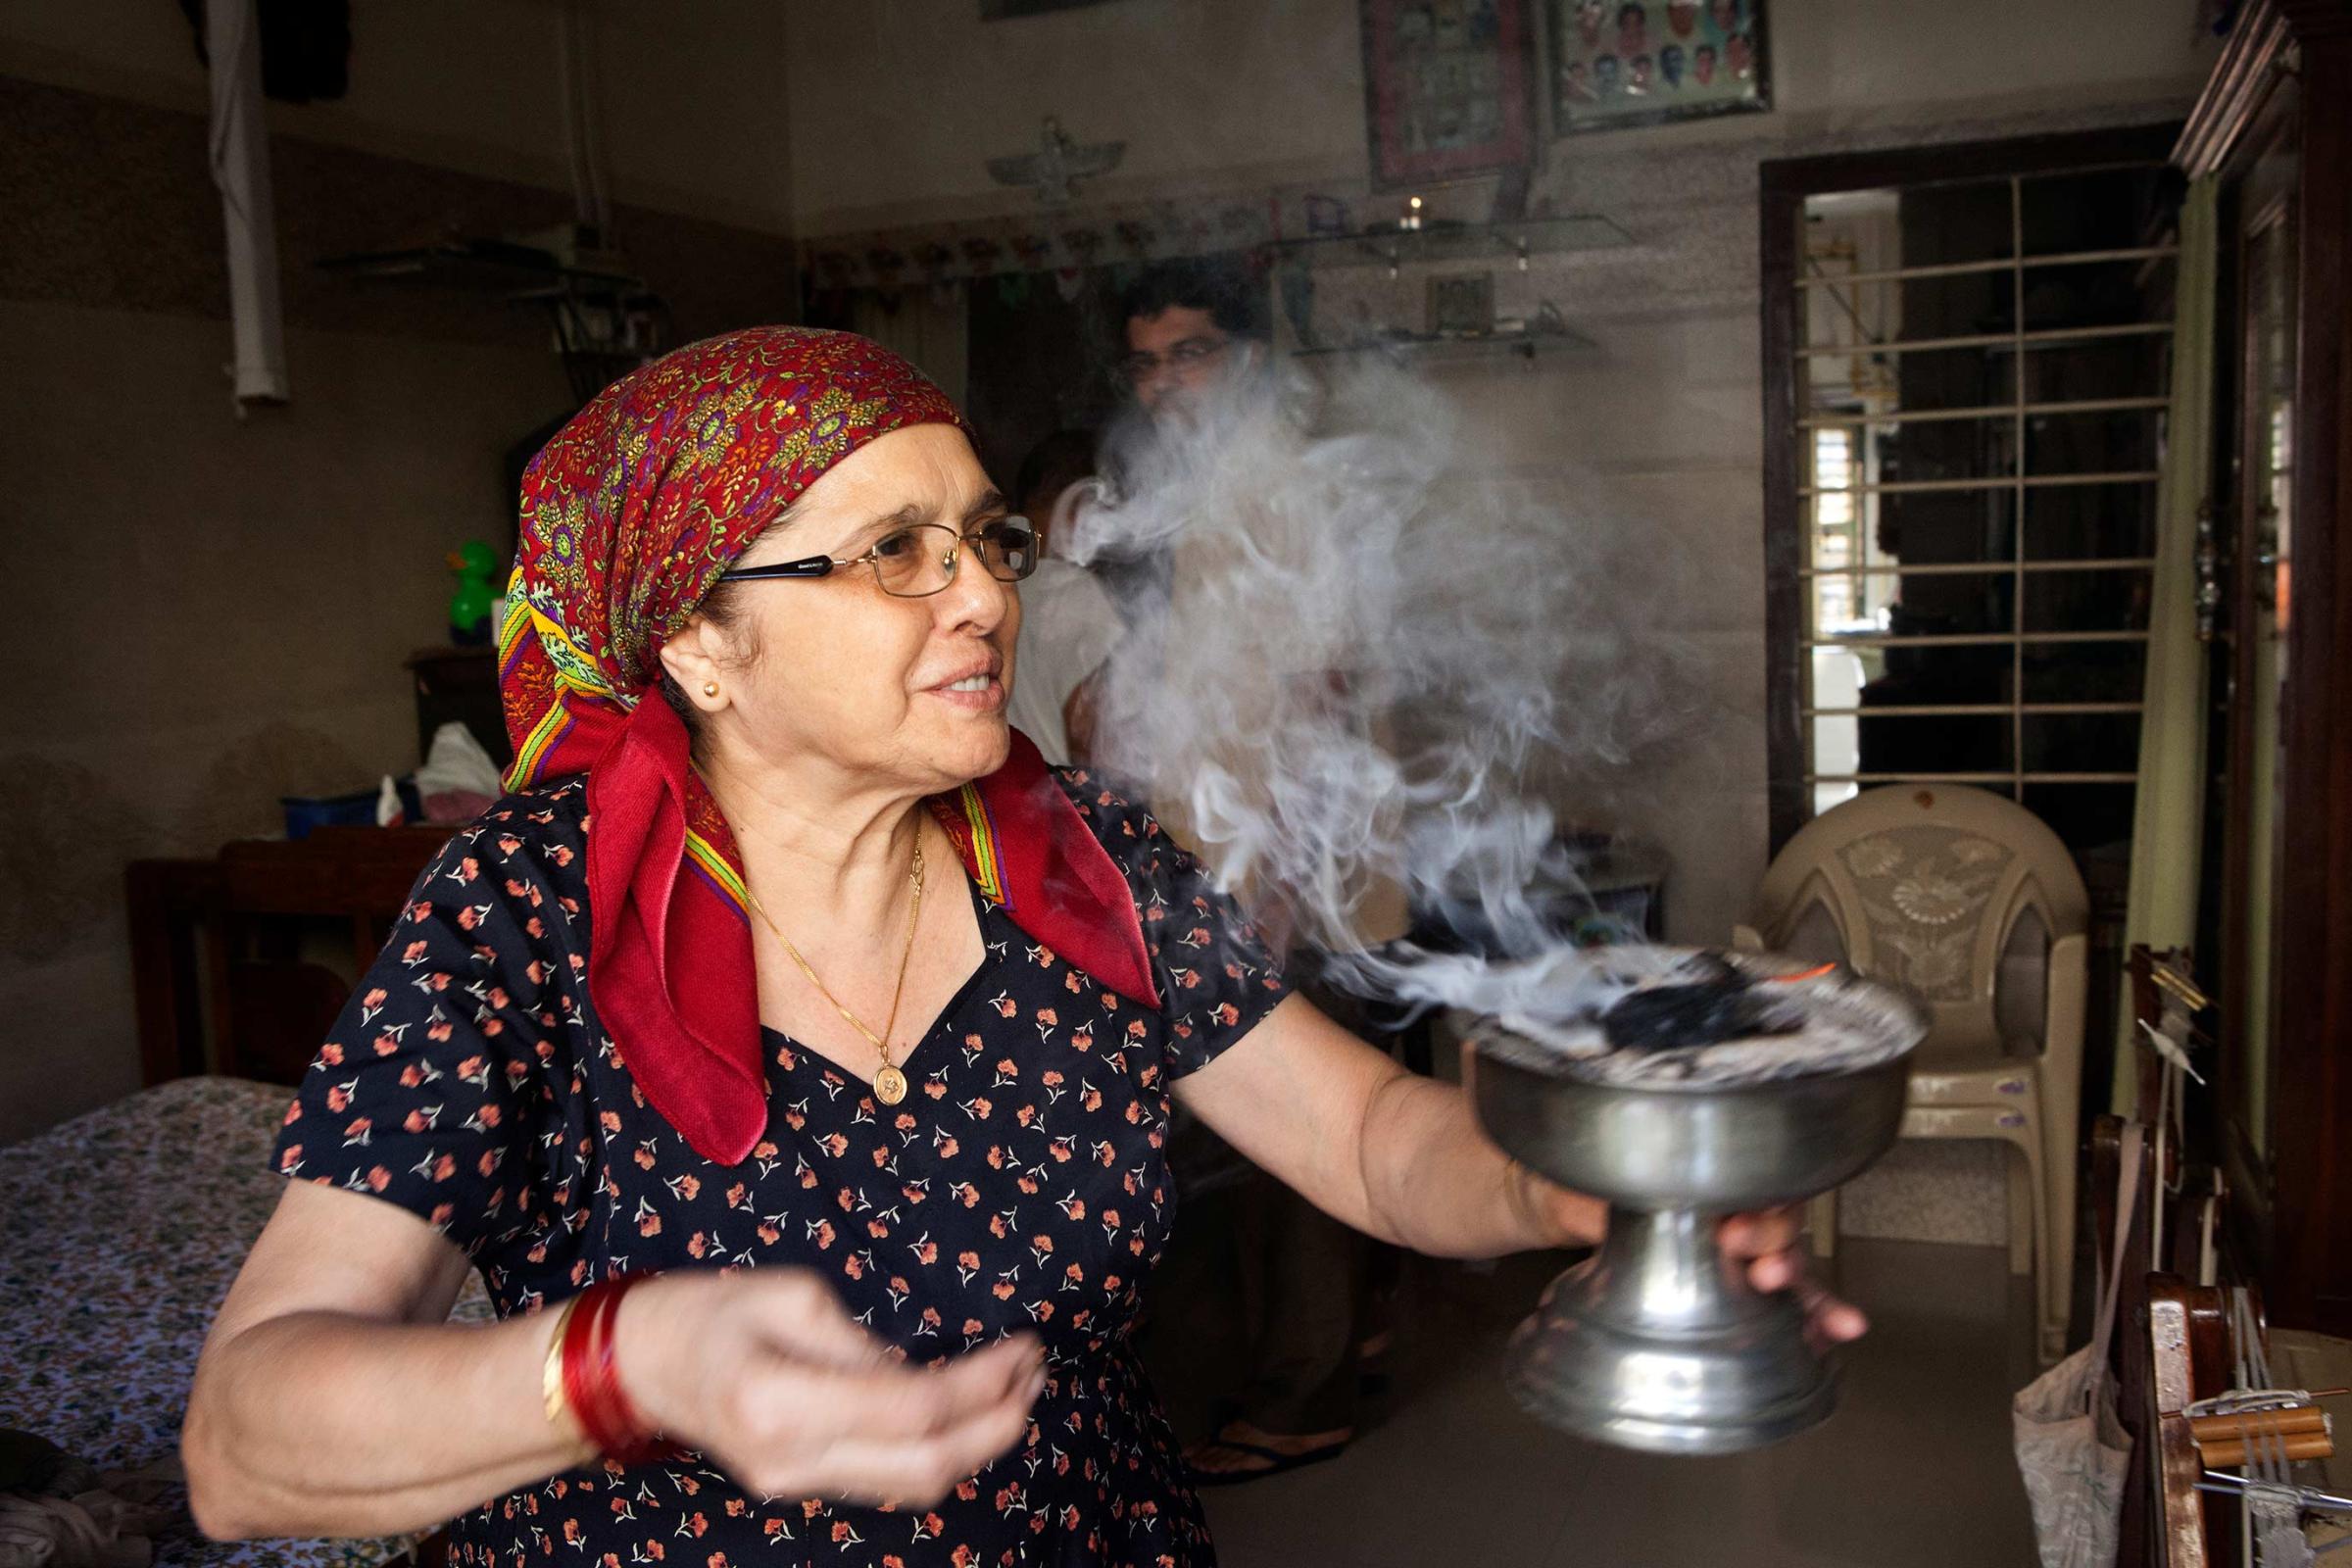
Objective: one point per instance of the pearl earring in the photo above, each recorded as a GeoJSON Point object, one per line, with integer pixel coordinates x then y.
{"type": "Point", "coordinates": [710, 688]}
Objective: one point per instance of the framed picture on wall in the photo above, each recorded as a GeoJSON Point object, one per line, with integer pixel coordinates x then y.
{"type": "Point", "coordinates": [1461, 305]}
{"type": "Point", "coordinates": [1449, 88]}
{"type": "Point", "coordinates": [1640, 62]}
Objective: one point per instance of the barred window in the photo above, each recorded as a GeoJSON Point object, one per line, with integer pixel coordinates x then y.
{"type": "Point", "coordinates": [1975, 369]}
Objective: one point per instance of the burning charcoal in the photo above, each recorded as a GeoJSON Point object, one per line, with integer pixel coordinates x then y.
{"type": "Point", "coordinates": [1664, 1017]}
{"type": "Point", "coordinates": [1710, 968]}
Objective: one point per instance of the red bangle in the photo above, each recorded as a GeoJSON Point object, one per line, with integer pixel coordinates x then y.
{"type": "Point", "coordinates": [632, 1440]}
{"type": "Point", "coordinates": [592, 1376]}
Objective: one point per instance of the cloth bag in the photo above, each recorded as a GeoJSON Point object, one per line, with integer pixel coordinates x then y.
{"type": "Point", "coordinates": [2070, 1448]}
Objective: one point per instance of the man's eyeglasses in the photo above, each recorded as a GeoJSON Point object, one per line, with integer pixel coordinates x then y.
{"type": "Point", "coordinates": [921, 560]}
{"type": "Point", "coordinates": [1143, 364]}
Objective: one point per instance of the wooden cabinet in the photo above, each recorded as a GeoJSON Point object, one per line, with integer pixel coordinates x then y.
{"type": "Point", "coordinates": [461, 685]}
{"type": "Point", "coordinates": [2274, 128]}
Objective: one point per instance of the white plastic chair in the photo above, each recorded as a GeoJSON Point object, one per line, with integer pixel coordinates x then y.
{"type": "Point", "coordinates": [1968, 901]}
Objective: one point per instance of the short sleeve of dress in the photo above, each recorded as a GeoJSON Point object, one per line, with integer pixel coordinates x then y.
{"type": "Point", "coordinates": [427, 1089]}
{"type": "Point", "coordinates": [1216, 975]}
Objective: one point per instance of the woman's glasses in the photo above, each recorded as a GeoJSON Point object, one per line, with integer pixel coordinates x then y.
{"type": "Point", "coordinates": [921, 560]}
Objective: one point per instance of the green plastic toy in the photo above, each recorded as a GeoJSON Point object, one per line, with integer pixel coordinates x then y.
{"type": "Point", "coordinates": [477, 567]}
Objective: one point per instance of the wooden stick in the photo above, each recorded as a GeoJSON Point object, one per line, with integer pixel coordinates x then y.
{"type": "Point", "coordinates": [2229, 1454]}
{"type": "Point", "coordinates": [2209, 1429]}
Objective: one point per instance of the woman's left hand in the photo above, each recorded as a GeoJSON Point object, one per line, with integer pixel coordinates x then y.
{"type": "Point", "coordinates": [1770, 1241]}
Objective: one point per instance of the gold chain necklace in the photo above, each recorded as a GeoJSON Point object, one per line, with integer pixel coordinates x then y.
{"type": "Point", "coordinates": [889, 1084]}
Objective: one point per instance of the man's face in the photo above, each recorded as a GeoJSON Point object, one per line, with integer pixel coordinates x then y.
{"type": "Point", "coordinates": [1175, 357]}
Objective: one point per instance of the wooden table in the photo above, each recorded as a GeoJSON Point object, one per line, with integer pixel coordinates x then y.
{"type": "Point", "coordinates": [124, 1229]}
{"type": "Point", "coordinates": [228, 930]}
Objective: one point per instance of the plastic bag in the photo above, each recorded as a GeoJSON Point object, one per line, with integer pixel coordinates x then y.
{"type": "Point", "coordinates": [458, 781]}
{"type": "Point", "coordinates": [2070, 1448]}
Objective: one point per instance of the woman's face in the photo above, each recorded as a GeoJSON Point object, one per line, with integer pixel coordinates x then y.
{"type": "Point", "coordinates": [909, 692]}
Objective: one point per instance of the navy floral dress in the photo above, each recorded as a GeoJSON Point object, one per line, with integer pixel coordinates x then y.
{"type": "Point", "coordinates": [1022, 1185]}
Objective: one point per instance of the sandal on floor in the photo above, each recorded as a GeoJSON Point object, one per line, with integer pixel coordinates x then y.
{"type": "Point", "coordinates": [1277, 1462]}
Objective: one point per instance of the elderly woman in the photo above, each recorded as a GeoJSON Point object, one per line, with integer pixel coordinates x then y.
{"type": "Point", "coordinates": [792, 1053]}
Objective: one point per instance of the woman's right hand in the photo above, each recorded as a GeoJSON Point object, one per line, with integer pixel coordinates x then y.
{"type": "Point", "coordinates": [763, 1371]}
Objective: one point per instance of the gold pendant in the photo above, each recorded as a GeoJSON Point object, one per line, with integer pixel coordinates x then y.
{"type": "Point", "coordinates": [890, 1085]}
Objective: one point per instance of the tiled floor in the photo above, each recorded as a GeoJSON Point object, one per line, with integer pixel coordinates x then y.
{"type": "Point", "coordinates": [1915, 1468]}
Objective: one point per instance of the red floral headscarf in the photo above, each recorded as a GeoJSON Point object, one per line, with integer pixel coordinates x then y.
{"type": "Point", "coordinates": [629, 516]}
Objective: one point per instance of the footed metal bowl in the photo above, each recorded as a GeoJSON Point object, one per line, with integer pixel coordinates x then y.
{"type": "Point", "coordinates": [1655, 1341]}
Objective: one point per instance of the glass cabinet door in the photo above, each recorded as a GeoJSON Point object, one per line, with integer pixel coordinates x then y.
{"type": "Point", "coordinates": [2264, 600]}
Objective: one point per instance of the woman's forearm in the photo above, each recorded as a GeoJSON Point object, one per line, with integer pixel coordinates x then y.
{"type": "Point", "coordinates": [1395, 1155]}
{"type": "Point", "coordinates": [1436, 1184]}
{"type": "Point", "coordinates": [321, 1423]}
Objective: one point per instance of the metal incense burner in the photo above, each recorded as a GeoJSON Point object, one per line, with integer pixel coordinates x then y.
{"type": "Point", "coordinates": [1656, 1343]}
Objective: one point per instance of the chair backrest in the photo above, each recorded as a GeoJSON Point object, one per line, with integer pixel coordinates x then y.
{"type": "Point", "coordinates": [1951, 892]}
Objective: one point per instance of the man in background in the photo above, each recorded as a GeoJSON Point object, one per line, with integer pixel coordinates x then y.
{"type": "Point", "coordinates": [1068, 623]}
{"type": "Point", "coordinates": [1189, 330]}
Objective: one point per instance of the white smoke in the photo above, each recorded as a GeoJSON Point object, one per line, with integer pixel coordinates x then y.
{"type": "Point", "coordinates": [1371, 669]}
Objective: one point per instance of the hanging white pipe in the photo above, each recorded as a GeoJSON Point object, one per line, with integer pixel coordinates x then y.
{"type": "Point", "coordinates": [575, 64]}
{"type": "Point", "coordinates": [240, 161]}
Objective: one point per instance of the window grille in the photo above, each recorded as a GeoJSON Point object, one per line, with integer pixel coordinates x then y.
{"type": "Point", "coordinates": [1980, 375]}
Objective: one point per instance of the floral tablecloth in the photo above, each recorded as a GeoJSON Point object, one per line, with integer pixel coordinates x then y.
{"type": "Point", "coordinates": [119, 1234]}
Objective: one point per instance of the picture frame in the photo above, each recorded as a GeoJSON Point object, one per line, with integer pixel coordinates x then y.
{"type": "Point", "coordinates": [1449, 88]}
{"type": "Point", "coordinates": [1618, 62]}
{"type": "Point", "coordinates": [1461, 305]}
